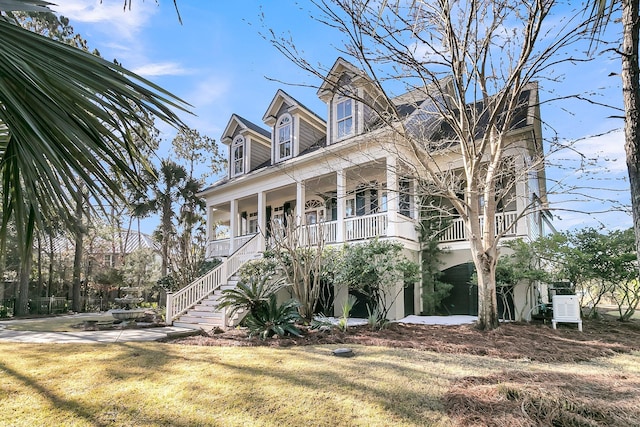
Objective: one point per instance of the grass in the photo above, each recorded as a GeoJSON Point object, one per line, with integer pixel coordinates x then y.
{"type": "Point", "coordinates": [156, 384]}
{"type": "Point", "coordinates": [54, 324]}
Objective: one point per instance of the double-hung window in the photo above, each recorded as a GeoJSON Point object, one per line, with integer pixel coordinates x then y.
{"type": "Point", "coordinates": [253, 223]}
{"type": "Point", "coordinates": [238, 156]}
{"type": "Point", "coordinates": [284, 138]}
{"type": "Point", "coordinates": [404, 200]}
{"type": "Point", "coordinates": [344, 117]}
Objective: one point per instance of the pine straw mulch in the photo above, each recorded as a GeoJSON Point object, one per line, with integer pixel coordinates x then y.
{"type": "Point", "coordinates": [516, 398]}
{"type": "Point", "coordinates": [511, 397]}
{"type": "Point", "coordinates": [535, 342]}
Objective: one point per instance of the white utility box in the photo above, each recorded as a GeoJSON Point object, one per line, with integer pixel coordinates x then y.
{"type": "Point", "coordinates": [566, 309]}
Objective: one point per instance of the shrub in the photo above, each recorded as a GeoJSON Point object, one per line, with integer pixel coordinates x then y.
{"type": "Point", "coordinates": [373, 271]}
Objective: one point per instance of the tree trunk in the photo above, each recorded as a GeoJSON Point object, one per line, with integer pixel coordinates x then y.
{"type": "Point", "coordinates": [22, 301]}
{"type": "Point", "coordinates": [630, 90]}
{"type": "Point", "coordinates": [51, 257]}
{"type": "Point", "coordinates": [40, 279]}
{"type": "Point", "coordinates": [485, 263]}
{"type": "Point", "coordinates": [77, 258]}
{"type": "Point", "coordinates": [166, 232]}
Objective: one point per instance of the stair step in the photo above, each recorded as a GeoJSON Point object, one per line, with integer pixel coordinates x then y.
{"type": "Point", "coordinates": [210, 307]}
{"type": "Point", "coordinates": [196, 326]}
{"type": "Point", "coordinates": [204, 320]}
{"type": "Point", "coordinates": [205, 314]}
{"type": "Point", "coordinates": [202, 313]}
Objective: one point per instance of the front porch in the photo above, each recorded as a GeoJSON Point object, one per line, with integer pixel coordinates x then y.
{"type": "Point", "coordinates": [353, 229]}
{"type": "Point", "coordinates": [359, 203]}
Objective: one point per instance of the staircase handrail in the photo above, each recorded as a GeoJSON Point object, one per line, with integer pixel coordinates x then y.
{"type": "Point", "coordinates": [179, 302]}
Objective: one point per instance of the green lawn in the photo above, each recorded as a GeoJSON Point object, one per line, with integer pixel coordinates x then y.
{"type": "Point", "coordinates": [156, 384]}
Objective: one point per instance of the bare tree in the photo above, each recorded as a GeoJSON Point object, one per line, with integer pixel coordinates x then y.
{"type": "Point", "coordinates": [469, 71]}
{"type": "Point", "coordinates": [298, 251]}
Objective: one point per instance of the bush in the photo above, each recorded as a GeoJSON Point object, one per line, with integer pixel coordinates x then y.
{"type": "Point", "coordinates": [373, 270]}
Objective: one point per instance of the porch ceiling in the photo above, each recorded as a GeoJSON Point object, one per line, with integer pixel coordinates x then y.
{"type": "Point", "coordinates": [321, 185]}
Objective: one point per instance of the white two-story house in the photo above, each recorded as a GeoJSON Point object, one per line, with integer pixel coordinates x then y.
{"type": "Point", "coordinates": [348, 178]}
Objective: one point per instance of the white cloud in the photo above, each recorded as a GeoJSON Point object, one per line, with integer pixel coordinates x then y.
{"type": "Point", "coordinates": [603, 154]}
{"type": "Point", "coordinates": [161, 69]}
{"type": "Point", "coordinates": [208, 91]}
{"type": "Point", "coordinates": [608, 149]}
{"type": "Point", "coordinates": [109, 14]}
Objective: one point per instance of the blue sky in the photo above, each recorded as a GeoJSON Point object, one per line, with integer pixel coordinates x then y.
{"type": "Point", "coordinates": [218, 61]}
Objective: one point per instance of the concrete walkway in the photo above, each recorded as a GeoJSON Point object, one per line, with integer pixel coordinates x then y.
{"type": "Point", "coordinates": [85, 337]}
{"type": "Point", "coordinates": [155, 334]}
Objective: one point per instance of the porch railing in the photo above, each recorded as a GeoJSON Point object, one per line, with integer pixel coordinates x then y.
{"type": "Point", "coordinates": [222, 247]}
{"type": "Point", "coordinates": [365, 227]}
{"type": "Point", "coordinates": [328, 231]}
{"type": "Point", "coordinates": [218, 247]}
{"type": "Point", "coordinates": [457, 231]}
{"type": "Point", "coordinates": [179, 302]}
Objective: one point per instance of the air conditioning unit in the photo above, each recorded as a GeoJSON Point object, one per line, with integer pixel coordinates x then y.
{"type": "Point", "coordinates": [566, 309]}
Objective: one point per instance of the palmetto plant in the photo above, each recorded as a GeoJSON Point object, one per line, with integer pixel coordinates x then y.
{"type": "Point", "coordinates": [250, 294]}
{"type": "Point", "coordinates": [266, 317]}
{"type": "Point", "coordinates": [272, 319]}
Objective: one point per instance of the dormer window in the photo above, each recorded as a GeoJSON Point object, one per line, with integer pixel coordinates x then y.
{"type": "Point", "coordinates": [284, 138]}
{"type": "Point", "coordinates": [237, 160]}
{"type": "Point", "coordinates": [344, 117]}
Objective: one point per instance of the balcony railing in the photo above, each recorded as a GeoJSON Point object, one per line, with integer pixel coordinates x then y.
{"type": "Point", "coordinates": [504, 222]}
{"type": "Point", "coordinates": [365, 227]}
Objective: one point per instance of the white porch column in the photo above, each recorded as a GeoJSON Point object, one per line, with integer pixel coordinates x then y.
{"type": "Point", "coordinates": [233, 225]}
{"type": "Point", "coordinates": [300, 199]}
{"type": "Point", "coordinates": [341, 193]}
{"type": "Point", "coordinates": [262, 219]}
{"type": "Point", "coordinates": [522, 199]}
{"type": "Point", "coordinates": [393, 196]}
{"type": "Point", "coordinates": [210, 231]}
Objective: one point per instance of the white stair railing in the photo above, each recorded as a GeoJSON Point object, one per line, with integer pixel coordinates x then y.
{"type": "Point", "coordinates": [179, 302]}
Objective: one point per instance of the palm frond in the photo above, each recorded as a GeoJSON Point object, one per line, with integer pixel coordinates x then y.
{"type": "Point", "coordinates": [25, 5]}
{"type": "Point", "coordinates": [68, 118]}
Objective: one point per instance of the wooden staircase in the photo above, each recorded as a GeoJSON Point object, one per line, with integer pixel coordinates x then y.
{"type": "Point", "coordinates": [206, 315]}
{"type": "Point", "coordinates": [196, 306]}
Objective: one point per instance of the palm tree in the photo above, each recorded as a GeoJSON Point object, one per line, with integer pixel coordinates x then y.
{"type": "Point", "coordinates": [66, 119]}
{"type": "Point", "coordinates": [167, 190]}
{"type": "Point", "coordinates": [601, 12]}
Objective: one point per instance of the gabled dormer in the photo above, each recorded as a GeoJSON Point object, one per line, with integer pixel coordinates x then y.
{"type": "Point", "coordinates": [294, 127]}
{"type": "Point", "coordinates": [249, 145]}
{"type": "Point", "coordinates": [353, 101]}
